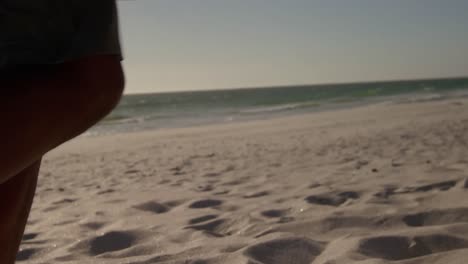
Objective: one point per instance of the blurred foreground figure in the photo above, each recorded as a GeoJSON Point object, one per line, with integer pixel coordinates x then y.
{"type": "Point", "coordinates": [60, 73]}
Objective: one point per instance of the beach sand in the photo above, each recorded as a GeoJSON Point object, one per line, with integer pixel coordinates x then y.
{"type": "Point", "coordinates": [383, 183]}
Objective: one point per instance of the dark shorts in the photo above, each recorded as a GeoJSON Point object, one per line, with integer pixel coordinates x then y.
{"type": "Point", "coordinates": [38, 32]}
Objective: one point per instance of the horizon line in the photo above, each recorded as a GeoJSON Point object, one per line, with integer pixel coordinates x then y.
{"type": "Point", "coordinates": [305, 84]}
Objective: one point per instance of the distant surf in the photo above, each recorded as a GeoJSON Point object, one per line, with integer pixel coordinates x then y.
{"type": "Point", "coordinates": [183, 109]}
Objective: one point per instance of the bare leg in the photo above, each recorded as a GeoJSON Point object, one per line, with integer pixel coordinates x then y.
{"type": "Point", "coordinates": [16, 196]}
{"type": "Point", "coordinates": [40, 111]}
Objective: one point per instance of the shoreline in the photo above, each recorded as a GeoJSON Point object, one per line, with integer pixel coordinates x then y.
{"type": "Point", "coordinates": [261, 116]}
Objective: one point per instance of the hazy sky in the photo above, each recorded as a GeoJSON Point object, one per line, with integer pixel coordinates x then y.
{"type": "Point", "coordinates": [174, 45]}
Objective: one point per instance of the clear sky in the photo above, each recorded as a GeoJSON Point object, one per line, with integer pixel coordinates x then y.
{"type": "Point", "coordinates": [173, 45]}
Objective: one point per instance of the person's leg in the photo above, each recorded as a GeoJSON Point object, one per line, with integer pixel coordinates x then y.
{"type": "Point", "coordinates": [41, 111]}
{"type": "Point", "coordinates": [16, 196]}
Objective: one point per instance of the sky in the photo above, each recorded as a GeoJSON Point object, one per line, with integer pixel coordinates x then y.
{"type": "Point", "coordinates": [175, 45]}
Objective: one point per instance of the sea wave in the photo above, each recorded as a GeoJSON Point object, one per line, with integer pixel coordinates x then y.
{"type": "Point", "coordinates": [459, 93]}
{"type": "Point", "coordinates": [279, 108]}
{"type": "Point", "coordinates": [419, 98]}
{"type": "Point", "coordinates": [117, 119]}
{"type": "Point", "coordinates": [122, 120]}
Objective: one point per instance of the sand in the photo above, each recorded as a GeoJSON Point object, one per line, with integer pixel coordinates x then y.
{"type": "Point", "coordinates": [375, 184]}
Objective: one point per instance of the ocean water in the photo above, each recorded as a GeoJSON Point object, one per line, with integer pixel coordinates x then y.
{"type": "Point", "coordinates": [185, 109]}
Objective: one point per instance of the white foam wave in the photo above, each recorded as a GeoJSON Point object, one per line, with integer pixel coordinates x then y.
{"type": "Point", "coordinates": [278, 108]}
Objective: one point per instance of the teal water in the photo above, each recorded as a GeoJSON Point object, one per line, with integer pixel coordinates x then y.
{"type": "Point", "coordinates": [182, 109]}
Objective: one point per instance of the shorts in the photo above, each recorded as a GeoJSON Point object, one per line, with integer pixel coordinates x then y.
{"type": "Point", "coordinates": [38, 32]}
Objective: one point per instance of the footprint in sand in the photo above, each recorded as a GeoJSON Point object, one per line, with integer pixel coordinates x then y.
{"type": "Point", "coordinates": [174, 203]}
{"type": "Point", "coordinates": [116, 201]}
{"type": "Point", "coordinates": [112, 241]}
{"type": "Point", "coordinates": [386, 192]}
{"type": "Point", "coordinates": [51, 208]}
{"type": "Point", "coordinates": [389, 191]}
{"type": "Point", "coordinates": [314, 185]}
{"type": "Point", "coordinates": [233, 183]}
{"type": "Point", "coordinates": [404, 247]}
{"type": "Point", "coordinates": [438, 186]}
{"type": "Point", "coordinates": [205, 203]}
{"type": "Point", "coordinates": [199, 261]}
{"type": "Point", "coordinates": [153, 207]}
{"type": "Point", "coordinates": [93, 225]}
{"type": "Point", "coordinates": [132, 171]}
{"type": "Point", "coordinates": [211, 174]}
{"type": "Point", "coordinates": [215, 228]}
{"type": "Point", "coordinates": [280, 214]}
{"type": "Point", "coordinates": [204, 188]}
{"type": "Point", "coordinates": [66, 222]}
{"type": "Point", "coordinates": [295, 250]}
{"type": "Point", "coordinates": [437, 217]}
{"type": "Point", "coordinates": [164, 182]}
{"type": "Point", "coordinates": [233, 248]}
{"type": "Point", "coordinates": [105, 191]}
{"type": "Point", "coordinates": [26, 254]}
{"type": "Point", "coordinates": [274, 213]}
{"type": "Point", "coordinates": [157, 208]}
{"type": "Point", "coordinates": [332, 199]}
{"type": "Point", "coordinates": [222, 192]}
{"type": "Point", "coordinates": [441, 186]}
{"type": "Point", "coordinates": [201, 219]}
{"type": "Point", "coordinates": [256, 194]}
{"type": "Point", "coordinates": [29, 236]}
{"type": "Point", "coordinates": [65, 201]}
{"type": "Point", "coordinates": [170, 259]}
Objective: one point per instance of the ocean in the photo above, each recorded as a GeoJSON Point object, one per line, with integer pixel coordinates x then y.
{"type": "Point", "coordinates": [184, 109]}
